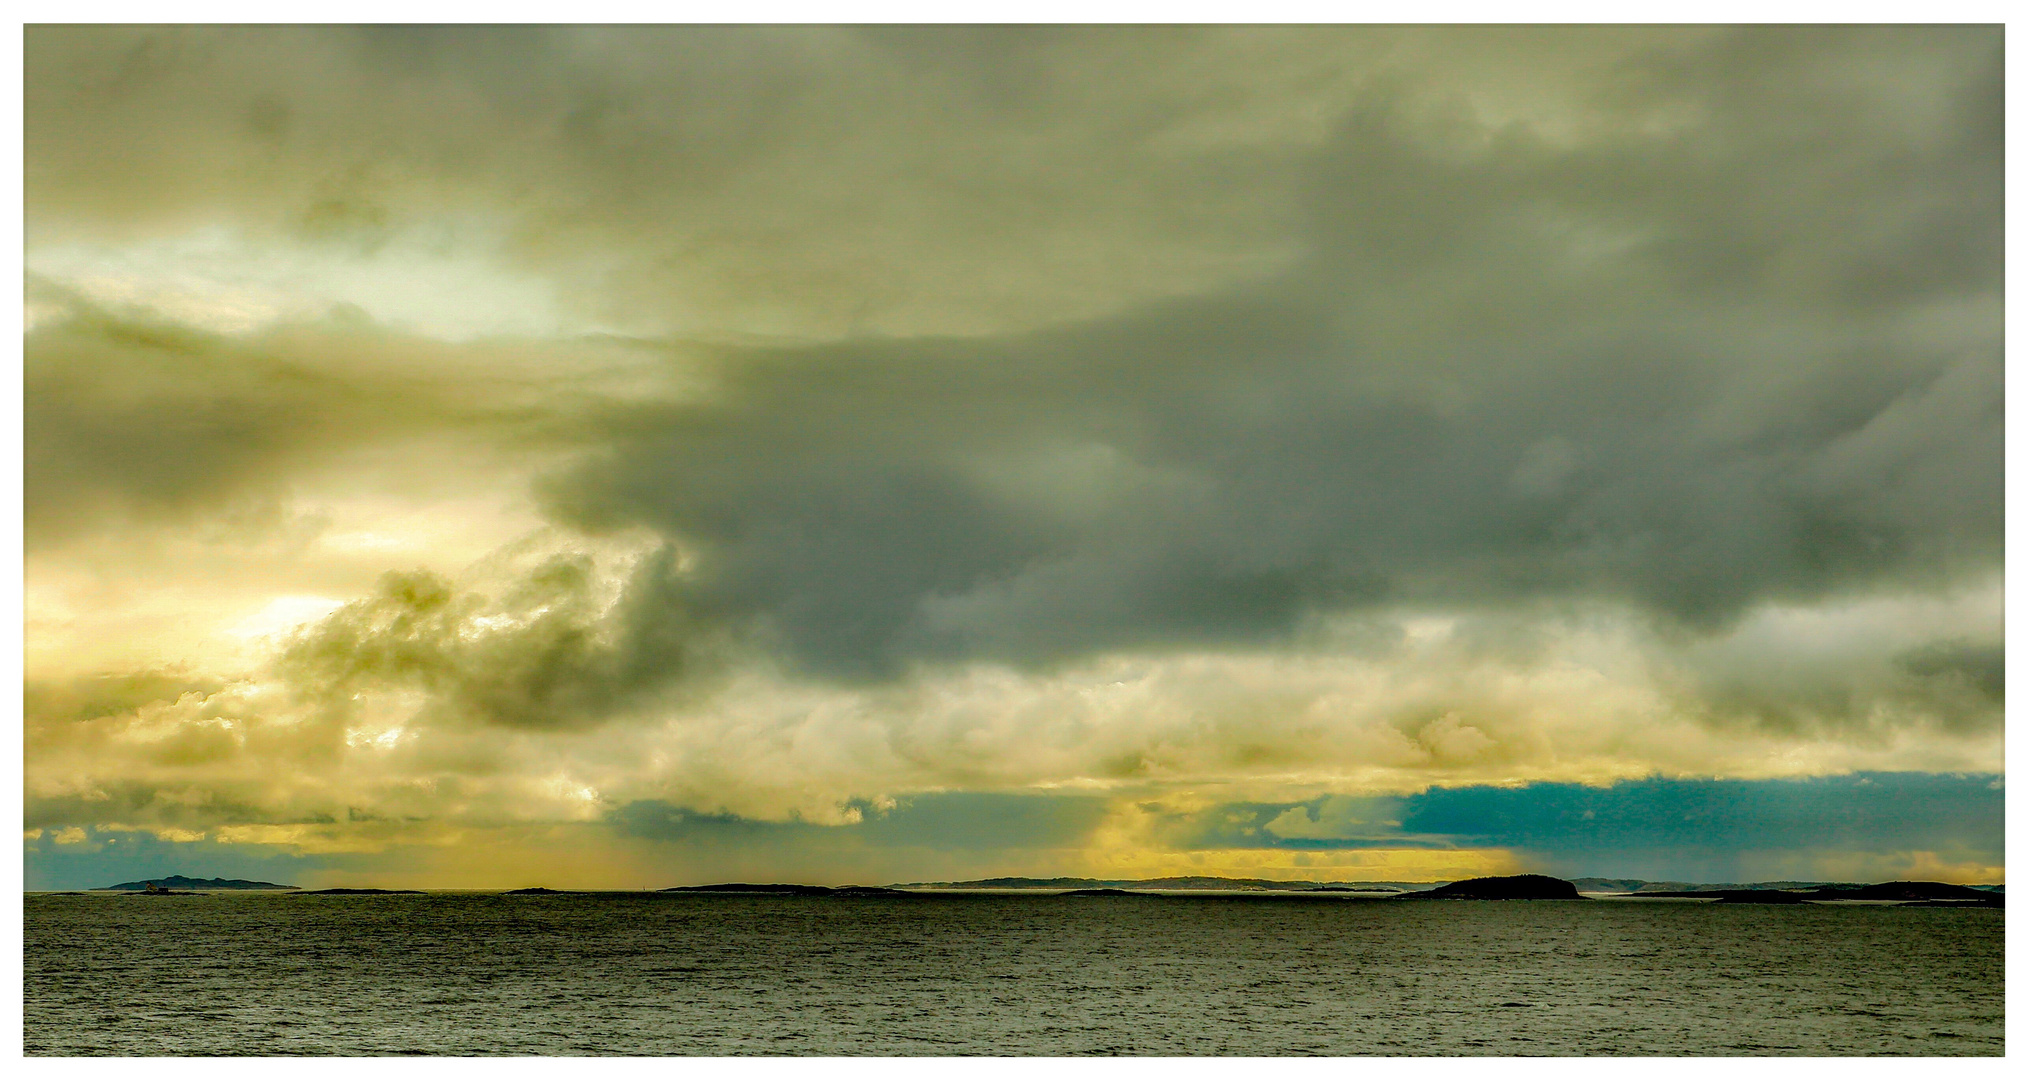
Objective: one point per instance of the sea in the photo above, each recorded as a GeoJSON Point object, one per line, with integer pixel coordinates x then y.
{"type": "Point", "coordinates": [653, 974]}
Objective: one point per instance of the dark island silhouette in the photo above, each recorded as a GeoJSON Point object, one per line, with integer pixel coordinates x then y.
{"type": "Point", "coordinates": [178, 881]}
{"type": "Point", "coordinates": [537, 891]}
{"type": "Point", "coordinates": [1923, 893]}
{"type": "Point", "coordinates": [1912, 890]}
{"type": "Point", "coordinates": [746, 889]}
{"type": "Point", "coordinates": [1207, 884]}
{"type": "Point", "coordinates": [1515, 887]}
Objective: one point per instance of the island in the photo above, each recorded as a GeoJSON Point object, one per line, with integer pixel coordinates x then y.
{"type": "Point", "coordinates": [1165, 884]}
{"type": "Point", "coordinates": [745, 889]}
{"type": "Point", "coordinates": [1922, 893]}
{"type": "Point", "coordinates": [1514, 887]}
{"type": "Point", "coordinates": [178, 881]}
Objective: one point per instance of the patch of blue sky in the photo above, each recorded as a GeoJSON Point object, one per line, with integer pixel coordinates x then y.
{"type": "Point", "coordinates": [1656, 828]}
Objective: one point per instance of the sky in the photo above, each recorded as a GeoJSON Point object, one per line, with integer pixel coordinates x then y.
{"type": "Point", "coordinates": [628, 457]}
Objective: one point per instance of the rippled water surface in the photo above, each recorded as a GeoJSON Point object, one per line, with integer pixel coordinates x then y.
{"type": "Point", "coordinates": [647, 974]}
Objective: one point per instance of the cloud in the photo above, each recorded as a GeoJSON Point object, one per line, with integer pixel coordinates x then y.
{"type": "Point", "coordinates": [1092, 491]}
{"type": "Point", "coordinates": [818, 179]}
{"type": "Point", "coordinates": [1488, 407]}
{"type": "Point", "coordinates": [135, 419]}
{"type": "Point", "coordinates": [1979, 668]}
{"type": "Point", "coordinates": [951, 821]}
{"type": "Point", "coordinates": [1219, 416]}
{"type": "Point", "coordinates": [146, 416]}
{"type": "Point", "coordinates": [1861, 671]}
{"type": "Point", "coordinates": [109, 695]}
{"type": "Point", "coordinates": [547, 655]}
{"type": "Point", "coordinates": [793, 178]}
{"type": "Point", "coordinates": [539, 699]}
{"type": "Point", "coordinates": [1653, 357]}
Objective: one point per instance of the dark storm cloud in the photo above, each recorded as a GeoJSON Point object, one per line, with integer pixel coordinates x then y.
{"type": "Point", "coordinates": [1731, 337]}
{"type": "Point", "coordinates": [1041, 499]}
{"type": "Point", "coordinates": [1693, 372]}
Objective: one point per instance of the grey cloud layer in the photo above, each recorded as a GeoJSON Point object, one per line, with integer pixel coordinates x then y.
{"type": "Point", "coordinates": [132, 418]}
{"type": "Point", "coordinates": [137, 417]}
{"type": "Point", "coordinates": [735, 179]}
{"type": "Point", "coordinates": [1694, 372]}
{"type": "Point", "coordinates": [817, 178]}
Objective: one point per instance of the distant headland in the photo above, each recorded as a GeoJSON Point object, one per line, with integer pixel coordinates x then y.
{"type": "Point", "coordinates": [1168, 884]}
{"type": "Point", "coordinates": [1927, 893]}
{"type": "Point", "coordinates": [788, 890]}
{"type": "Point", "coordinates": [1511, 887]}
{"type": "Point", "coordinates": [180, 882]}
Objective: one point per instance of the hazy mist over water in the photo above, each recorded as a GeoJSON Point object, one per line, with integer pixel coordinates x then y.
{"type": "Point", "coordinates": [651, 974]}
